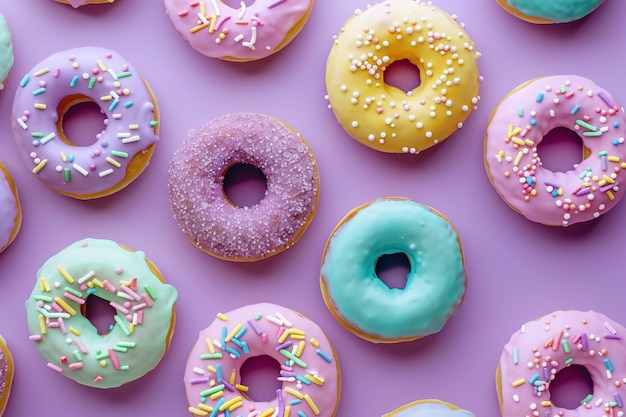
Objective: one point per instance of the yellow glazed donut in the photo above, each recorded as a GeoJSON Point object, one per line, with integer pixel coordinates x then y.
{"type": "Point", "coordinates": [78, 3]}
{"type": "Point", "coordinates": [429, 408]}
{"type": "Point", "coordinates": [382, 116]}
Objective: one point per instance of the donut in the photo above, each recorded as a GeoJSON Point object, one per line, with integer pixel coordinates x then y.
{"type": "Point", "coordinates": [7, 368]}
{"type": "Point", "coordinates": [519, 123]}
{"type": "Point", "coordinates": [6, 51]}
{"type": "Point", "coordinates": [548, 12]}
{"type": "Point", "coordinates": [363, 303]}
{"type": "Point", "coordinates": [118, 154]}
{"type": "Point", "coordinates": [10, 209]}
{"type": "Point", "coordinates": [133, 286]}
{"type": "Point", "coordinates": [542, 348]}
{"type": "Point", "coordinates": [307, 368]}
{"type": "Point", "coordinates": [380, 115]}
{"type": "Point", "coordinates": [429, 408]}
{"type": "Point", "coordinates": [205, 214]}
{"type": "Point", "coordinates": [248, 32]}
{"type": "Point", "coordinates": [78, 3]}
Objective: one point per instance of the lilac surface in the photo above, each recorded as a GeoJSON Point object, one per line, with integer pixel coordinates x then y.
{"type": "Point", "coordinates": [517, 270]}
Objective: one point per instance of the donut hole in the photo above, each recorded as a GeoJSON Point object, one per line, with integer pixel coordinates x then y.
{"type": "Point", "coordinates": [81, 121]}
{"type": "Point", "coordinates": [236, 4]}
{"type": "Point", "coordinates": [402, 74]}
{"type": "Point", "coordinates": [393, 269]}
{"type": "Point", "coordinates": [260, 374]}
{"type": "Point", "coordinates": [244, 185]}
{"type": "Point", "coordinates": [560, 150]}
{"type": "Point", "coordinates": [570, 386]}
{"type": "Point", "coordinates": [99, 313]}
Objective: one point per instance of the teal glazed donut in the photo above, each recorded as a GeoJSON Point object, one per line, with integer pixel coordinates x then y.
{"type": "Point", "coordinates": [362, 302]}
{"type": "Point", "coordinates": [552, 11]}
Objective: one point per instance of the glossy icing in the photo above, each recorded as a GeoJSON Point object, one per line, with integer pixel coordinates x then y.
{"type": "Point", "coordinates": [6, 50]}
{"type": "Point", "coordinates": [382, 116]}
{"type": "Point", "coordinates": [6, 374]}
{"type": "Point", "coordinates": [429, 408]}
{"type": "Point", "coordinates": [309, 374]}
{"type": "Point", "coordinates": [555, 11]}
{"type": "Point", "coordinates": [10, 212]}
{"type": "Point", "coordinates": [77, 75]}
{"type": "Point", "coordinates": [251, 31]}
{"type": "Point", "coordinates": [210, 220]}
{"type": "Point", "coordinates": [435, 284]}
{"type": "Point", "coordinates": [69, 342]}
{"type": "Point", "coordinates": [518, 125]}
{"type": "Point", "coordinates": [543, 347]}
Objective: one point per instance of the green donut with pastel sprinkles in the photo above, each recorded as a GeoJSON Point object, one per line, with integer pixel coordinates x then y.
{"type": "Point", "coordinates": [435, 284]}
{"type": "Point", "coordinates": [550, 11]}
{"type": "Point", "coordinates": [6, 50]}
{"type": "Point", "coordinates": [131, 283]}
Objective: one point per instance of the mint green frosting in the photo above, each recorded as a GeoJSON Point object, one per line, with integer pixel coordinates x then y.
{"type": "Point", "coordinates": [560, 11]}
{"type": "Point", "coordinates": [6, 50]}
{"type": "Point", "coordinates": [435, 283]}
{"type": "Point", "coordinates": [432, 409]}
{"type": "Point", "coordinates": [70, 343]}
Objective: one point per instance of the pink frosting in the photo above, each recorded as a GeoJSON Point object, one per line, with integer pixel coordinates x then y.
{"type": "Point", "coordinates": [9, 213]}
{"type": "Point", "coordinates": [248, 32]}
{"type": "Point", "coordinates": [543, 347]}
{"type": "Point", "coordinates": [518, 125]}
{"type": "Point", "coordinates": [103, 77]}
{"type": "Point", "coordinates": [309, 374]}
{"type": "Point", "coordinates": [197, 196]}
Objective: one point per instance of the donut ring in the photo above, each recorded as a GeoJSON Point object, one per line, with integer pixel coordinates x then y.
{"type": "Point", "coordinates": [541, 348]}
{"type": "Point", "coordinates": [435, 284]}
{"type": "Point", "coordinates": [310, 375]}
{"type": "Point", "coordinates": [10, 209]}
{"type": "Point", "coordinates": [7, 369]}
{"type": "Point", "coordinates": [429, 408]}
{"type": "Point", "coordinates": [519, 123]}
{"type": "Point", "coordinates": [247, 33]}
{"type": "Point", "coordinates": [197, 195]}
{"type": "Point", "coordinates": [382, 116]}
{"type": "Point", "coordinates": [6, 51]}
{"type": "Point", "coordinates": [548, 12]}
{"type": "Point", "coordinates": [123, 149]}
{"type": "Point", "coordinates": [71, 345]}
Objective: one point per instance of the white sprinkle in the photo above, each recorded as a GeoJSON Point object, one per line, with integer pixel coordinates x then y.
{"type": "Point", "coordinates": [87, 276]}
{"type": "Point", "coordinates": [131, 139]}
{"type": "Point", "coordinates": [105, 172]}
{"type": "Point", "coordinates": [80, 169]}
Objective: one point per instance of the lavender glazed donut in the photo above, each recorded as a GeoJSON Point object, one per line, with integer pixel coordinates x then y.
{"type": "Point", "coordinates": [6, 374]}
{"type": "Point", "coordinates": [249, 32]}
{"type": "Point", "coordinates": [78, 3]}
{"type": "Point", "coordinates": [205, 214]}
{"type": "Point", "coordinates": [541, 348]}
{"type": "Point", "coordinates": [120, 152]}
{"type": "Point", "coordinates": [310, 377]}
{"type": "Point", "coordinates": [519, 123]}
{"type": "Point", "coordinates": [10, 209]}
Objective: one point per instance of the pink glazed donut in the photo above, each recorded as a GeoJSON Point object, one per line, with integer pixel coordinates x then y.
{"type": "Point", "coordinates": [119, 153]}
{"type": "Point", "coordinates": [519, 123]}
{"type": "Point", "coordinates": [309, 374]}
{"type": "Point", "coordinates": [205, 214]}
{"type": "Point", "coordinates": [540, 349]}
{"type": "Point", "coordinates": [245, 33]}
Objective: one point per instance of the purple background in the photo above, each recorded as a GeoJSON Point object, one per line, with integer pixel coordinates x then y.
{"type": "Point", "coordinates": [517, 270]}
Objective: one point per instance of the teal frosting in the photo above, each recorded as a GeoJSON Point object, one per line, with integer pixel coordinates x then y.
{"type": "Point", "coordinates": [432, 409]}
{"type": "Point", "coordinates": [435, 284]}
{"type": "Point", "coordinates": [6, 50]}
{"type": "Point", "coordinates": [559, 11]}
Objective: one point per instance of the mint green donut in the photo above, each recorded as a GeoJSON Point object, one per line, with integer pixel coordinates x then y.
{"type": "Point", "coordinates": [435, 284]}
{"type": "Point", "coordinates": [557, 11]}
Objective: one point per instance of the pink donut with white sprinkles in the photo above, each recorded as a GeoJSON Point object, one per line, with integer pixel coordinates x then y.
{"type": "Point", "coordinates": [118, 155]}
{"type": "Point", "coordinates": [518, 125]}
{"type": "Point", "coordinates": [205, 214]}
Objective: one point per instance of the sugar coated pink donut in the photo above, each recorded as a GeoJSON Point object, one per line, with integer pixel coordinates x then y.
{"type": "Point", "coordinates": [119, 153]}
{"type": "Point", "coordinates": [208, 218]}
{"type": "Point", "coordinates": [519, 123]}
{"type": "Point", "coordinates": [540, 349]}
{"type": "Point", "coordinates": [243, 33]}
{"type": "Point", "coordinates": [309, 375]}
